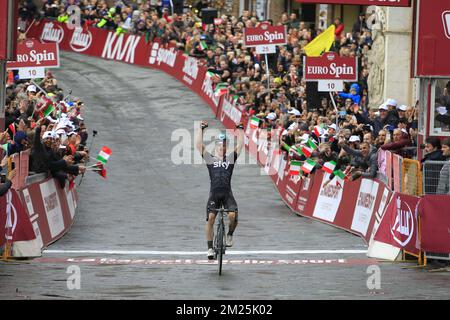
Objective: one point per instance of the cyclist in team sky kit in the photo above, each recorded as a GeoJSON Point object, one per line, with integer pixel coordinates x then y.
{"type": "Point", "coordinates": [220, 167]}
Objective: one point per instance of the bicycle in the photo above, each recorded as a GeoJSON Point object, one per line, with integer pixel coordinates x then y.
{"type": "Point", "coordinates": [219, 238]}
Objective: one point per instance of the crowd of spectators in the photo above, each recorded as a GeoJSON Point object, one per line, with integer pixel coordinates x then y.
{"type": "Point", "coordinates": [352, 135]}
{"type": "Point", "coordinates": [41, 119]}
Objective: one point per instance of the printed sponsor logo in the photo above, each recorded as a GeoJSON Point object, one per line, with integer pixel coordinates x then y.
{"type": "Point", "coordinates": [290, 194]}
{"type": "Point", "coordinates": [403, 228]}
{"type": "Point", "coordinates": [306, 184]}
{"type": "Point", "coordinates": [223, 164]}
{"type": "Point", "coordinates": [330, 191]}
{"type": "Point", "coordinates": [160, 55]}
{"type": "Point", "coordinates": [266, 36]}
{"type": "Point", "coordinates": [231, 111]}
{"type": "Point", "coordinates": [446, 22]}
{"type": "Point", "coordinates": [81, 41]}
{"type": "Point", "coordinates": [50, 33]}
{"type": "Point", "coordinates": [365, 200]}
{"type": "Point", "coordinates": [36, 57]}
{"type": "Point", "coordinates": [51, 202]}
{"type": "Point", "coordinates": [115, 49]}
{"type": "Point", "coordinates": [208, 90]}
{"type": "Point", "coordinates": [190, 70]}
{"type": "Point", "coordinates": [11, 217]}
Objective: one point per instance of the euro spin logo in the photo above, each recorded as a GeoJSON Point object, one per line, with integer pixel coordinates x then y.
{"type": "Point", "coordinates": [403, 228]}
{"type": "Point", "coordinates": [29, 44]}
{"type": "Point", "coordinates": [446, 22]}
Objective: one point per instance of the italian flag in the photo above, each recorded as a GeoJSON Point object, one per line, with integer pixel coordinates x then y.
{"type": "Point", "coordinates": [12, 129]}
{"type": "Point", "coordinates": [254, 122]}
{"type": "Point", "coordinates": [318, 130]}
{"type": "Point", "coordinates": [340, 177]}
{"type": "Point", "coordinates": [104, 155]}
{"type": "Point", "coordinates": [49, 108]}
{"type": "Point", "coordinates": [101, 170]}
{"type": "Point", "coordinates": [203, 45]}
{"type": "Point", "coordinates": [308, 166]}
{"type": "Point", "coordinates": [220, 90]}
{"type": "Point", "coordinates": [307, 152]}
{"type": "Point", "coordinates": [312, 144]}
{"type": "Point", "coordinates": [213, 75]}
{"type": "Point", "coordinates": [329, 166]}
{"type": "Point", "coordinates": [294, 168]}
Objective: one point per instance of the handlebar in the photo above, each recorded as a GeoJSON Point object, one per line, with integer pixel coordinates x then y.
{"type": "Point", "coordinates": [222, 210]}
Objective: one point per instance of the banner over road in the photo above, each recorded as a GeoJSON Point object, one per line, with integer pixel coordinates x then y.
{"type": "Point", "coordinates": [390, 3]}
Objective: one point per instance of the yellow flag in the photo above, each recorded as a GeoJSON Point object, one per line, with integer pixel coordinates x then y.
{"type": "Point", "coordinates": [321, 43]}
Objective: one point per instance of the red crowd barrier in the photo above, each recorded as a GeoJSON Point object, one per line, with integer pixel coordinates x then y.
{"type": "Point", "coordinates": [363, 207]}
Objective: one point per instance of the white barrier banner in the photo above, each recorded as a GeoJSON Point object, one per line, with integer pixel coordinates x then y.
{"type": "Point", "coordinates": [52, 207]}
{"type": "Point", "coordinates": [328, 200]}
{"type": "Point", "coordinates": [365, 204]}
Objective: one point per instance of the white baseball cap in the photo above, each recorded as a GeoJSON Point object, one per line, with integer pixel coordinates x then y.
{"type": "Point", "coordinates": [383, 107]}
{"type": "Point", "coordinates": [272, 116]}
{"type": "Point", "coordinates": [31, 88]}
{"type": "Point", "coordinates": [442, 110]}
{"type": "Point", "coordinates": [391, 102]}
{"type": "Point", "coordinates": [402, 107]}
{"type": "Point", "coordinates": [354, 138]}
{"type": "Point", "coordinates": [293, 126]}
{"type": "Point", "coordinates": [332, 126]}
{"type": "Point", "coordinates": [294, 112]}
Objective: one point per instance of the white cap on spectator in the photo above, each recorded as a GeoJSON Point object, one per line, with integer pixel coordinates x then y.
{"type": "Point", "coordinates": [71, 133]}
{"type": "Point", "coordinates": [442, 110]}
{"type": "Point", "coordinates": [48, 135]}
{"type": "Point", "coordinates": [354, 138]}
{"type": "Point", "coordinates": [305, 138]}
{"type": "Point", "coordinates": [31, 88]}
{"type": "Point", "coordinates": [391, 102]}
{"type": "Point", "coordinates": [294, 112]}
{"type": "Point", "coordinates": [332, 126]}
{"type": "Point", "coordinates": [272, 116]}
{"type": "Point", "coordinates": [402, 107]}
{"type": "Point", "coordinates": [293, 126]}
{"type": "Point", "coordinates": [383, 107]}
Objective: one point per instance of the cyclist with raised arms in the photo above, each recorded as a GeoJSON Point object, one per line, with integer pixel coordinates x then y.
{"type": "Point", "coordinates": [220, 167]}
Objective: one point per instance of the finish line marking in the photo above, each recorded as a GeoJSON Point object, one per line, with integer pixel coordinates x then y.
{"type": "Point", "coordinates": [230, 252]}
{"type": "Point", "coordinates": [111, 261]}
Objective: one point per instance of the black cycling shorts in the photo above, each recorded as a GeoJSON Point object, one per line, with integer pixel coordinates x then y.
{"type": "Point", "coordinates": [217, 199]}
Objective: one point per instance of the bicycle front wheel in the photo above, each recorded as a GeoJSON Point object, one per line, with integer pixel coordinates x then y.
{"type": "Point", "coordinates": [220, 245]}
